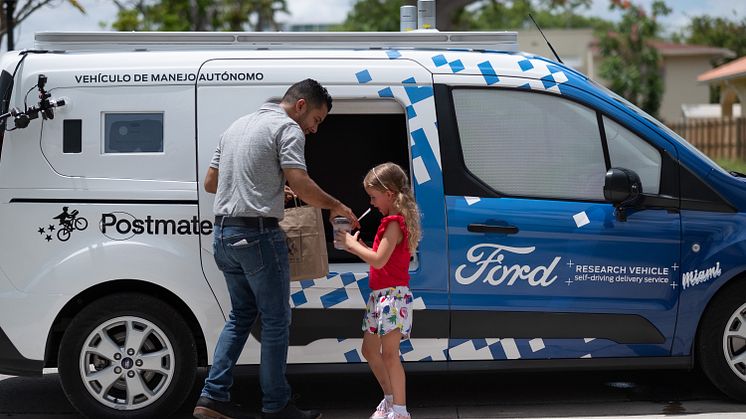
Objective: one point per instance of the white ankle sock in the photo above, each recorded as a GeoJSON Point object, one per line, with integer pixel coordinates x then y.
{"type": "Point", "coordinates": [389, 399]}
{"type": "Point", "coordinates": [401, 409]}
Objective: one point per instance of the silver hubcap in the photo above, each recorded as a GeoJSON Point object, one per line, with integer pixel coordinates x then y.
{"type": "Point", "coordinates": [127, 363]}
{"type": "Point", "coordinates": [734, 342]}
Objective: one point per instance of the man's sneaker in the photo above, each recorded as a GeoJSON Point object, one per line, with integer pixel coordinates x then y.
{"type": "Point", "coordinates": [382, 411]}
{"type": "Point", "coordinates": [208, 408]}
{"type": "Point", "coordinates": [394, 415]}
{"type": "Point", "coordinates": [292, 412]}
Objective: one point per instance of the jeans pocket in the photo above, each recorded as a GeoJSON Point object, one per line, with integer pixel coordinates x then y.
{"type": "Point", "coordinates": [248, 253]}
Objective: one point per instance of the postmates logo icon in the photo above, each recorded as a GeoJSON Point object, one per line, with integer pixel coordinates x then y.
{"type": "Point", "coordinates": [67, 222]}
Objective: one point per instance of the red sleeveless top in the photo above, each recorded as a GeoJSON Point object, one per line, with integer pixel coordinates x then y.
{"type": "Point", "coordinates": [396, 271]}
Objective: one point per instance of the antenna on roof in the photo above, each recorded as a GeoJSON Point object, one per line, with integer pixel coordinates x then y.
{"type": "Point", "coordinates": [545, 39]}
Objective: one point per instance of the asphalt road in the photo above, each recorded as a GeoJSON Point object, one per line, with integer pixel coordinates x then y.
{"type": "Point", "coordinates": [447, 395]}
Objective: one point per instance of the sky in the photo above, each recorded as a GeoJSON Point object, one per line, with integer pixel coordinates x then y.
{"type": "Point", "coordinates": [64, 17]}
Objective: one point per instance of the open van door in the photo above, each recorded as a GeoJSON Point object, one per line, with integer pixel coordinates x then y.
{"type": "Point", "coordinates": [383, 110]}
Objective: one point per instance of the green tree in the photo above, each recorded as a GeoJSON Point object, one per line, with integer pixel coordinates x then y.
{"type": "Point", "coordinates": [22, 10]}
{"type": "Point", "coordinates": [261, 14]}
{"type": "Point", "coordinates": [197, 15]}
{"type": "Point", "coordinates": [383, 15]}
{"type": "Point", "coordinates": [495, 15]}
{"type": "Point", "coordinates": [716, 32]}
{"type": "Point", "coordinates": [374, 15]}
{"type": "Point", "coordinates": [165, 15]}
{"type": "Point", "coordinates": [630, 63]}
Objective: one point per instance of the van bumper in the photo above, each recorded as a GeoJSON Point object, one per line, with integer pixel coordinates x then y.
{"type": "Point", "coordinates": [13, 363]}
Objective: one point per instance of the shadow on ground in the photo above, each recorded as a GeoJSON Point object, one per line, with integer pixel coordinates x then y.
{"type": "Point", "coordinates": [441, 395]}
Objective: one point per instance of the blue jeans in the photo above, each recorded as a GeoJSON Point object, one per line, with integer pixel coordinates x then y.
{"type": "Point", "coordinates": [255, 264]}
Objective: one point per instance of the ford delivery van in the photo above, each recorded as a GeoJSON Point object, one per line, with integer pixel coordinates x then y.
{"type": "Point", "coordinates": [563, 227]}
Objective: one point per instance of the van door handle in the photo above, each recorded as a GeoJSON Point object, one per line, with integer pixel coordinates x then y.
{"type": "Point", "coordinates": [485, 228]}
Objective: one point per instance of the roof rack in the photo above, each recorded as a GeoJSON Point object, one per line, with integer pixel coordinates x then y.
{"type": "Point", "coordinates": [129, 41]}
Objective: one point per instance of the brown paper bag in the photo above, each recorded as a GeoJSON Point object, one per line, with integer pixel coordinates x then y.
{"type": "Point", "coordinates": [304, 229]}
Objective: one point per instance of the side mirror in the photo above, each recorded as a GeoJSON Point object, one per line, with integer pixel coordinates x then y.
{"type": "Point", "coordinates": [623, 188]}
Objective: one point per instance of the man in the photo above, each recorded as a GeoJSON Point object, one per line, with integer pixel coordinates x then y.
{"type": "Point", "coordinates": [254, 158]}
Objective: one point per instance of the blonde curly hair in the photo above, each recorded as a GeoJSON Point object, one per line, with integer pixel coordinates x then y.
{"type": "Point", "coordinates": [391, 177]}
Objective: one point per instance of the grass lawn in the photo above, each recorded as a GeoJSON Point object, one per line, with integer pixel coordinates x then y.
{"type": "Point", "coordinates": [735, 165]}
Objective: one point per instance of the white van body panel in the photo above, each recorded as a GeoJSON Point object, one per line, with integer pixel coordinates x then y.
{"type": "Point", "coordinates": [227, 87]}
{"type": "Point", "coordinates": [58, 271]}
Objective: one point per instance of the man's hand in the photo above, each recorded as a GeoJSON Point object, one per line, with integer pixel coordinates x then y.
{"type": "Point", "coordinates": [341, 210]}
{"type": "Point", "coordinates": [211, 180]}
{"type": "Point", "coordinates": [289, 194]}
{"type": "Point", "coordinates": [311, 194]}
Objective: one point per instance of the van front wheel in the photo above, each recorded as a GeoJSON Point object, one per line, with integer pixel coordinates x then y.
{"type": "Point", "coordinates": [721, 342]}
{"type": "Point", "coordinates": [127, 356]}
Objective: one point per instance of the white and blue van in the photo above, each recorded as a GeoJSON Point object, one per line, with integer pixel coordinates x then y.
{"type": "Point", "coordinates": [563, 227]}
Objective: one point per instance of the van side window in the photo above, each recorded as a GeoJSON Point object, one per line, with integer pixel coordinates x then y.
{"type": "Point", "coordinates": [529, 144]}
{"type": "Point", "coordinates": [631, 152]}
{"type": "Point", "coordinates": [133, 132]}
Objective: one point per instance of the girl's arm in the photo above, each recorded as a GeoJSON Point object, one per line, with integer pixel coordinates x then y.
{"type": "Point", "coordinates": [377, 259]}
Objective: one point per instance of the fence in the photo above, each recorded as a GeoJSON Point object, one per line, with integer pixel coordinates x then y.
{"type": "Point", "coordinates": [718, 138]}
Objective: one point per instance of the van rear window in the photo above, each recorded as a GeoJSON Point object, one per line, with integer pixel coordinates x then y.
{"type": "Point", "coordinates": [133, 132]}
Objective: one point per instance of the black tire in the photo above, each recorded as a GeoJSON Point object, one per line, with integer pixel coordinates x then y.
{"type": "Point", "coordinates": [714, 351]}
{"type": "Point", "coordinates": [114, 316]}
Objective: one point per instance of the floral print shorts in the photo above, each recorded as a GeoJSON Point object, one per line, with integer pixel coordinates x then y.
{"type": "Point", "coordinates": [389, 309]}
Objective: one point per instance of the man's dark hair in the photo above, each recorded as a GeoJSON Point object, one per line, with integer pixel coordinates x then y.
{"type": "Point", "coordinates": [310, 90]}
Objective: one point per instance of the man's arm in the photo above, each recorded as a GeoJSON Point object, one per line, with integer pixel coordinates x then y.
{"type": "Point", "coordinates": [211, 180]}
{"type": "Point", "coordinates": [311, 193]}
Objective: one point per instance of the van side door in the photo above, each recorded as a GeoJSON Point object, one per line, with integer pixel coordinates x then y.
{"type": "Point", "coordinates": [541, 266]}
{"type": "Point", "coordinates": [327, 312]}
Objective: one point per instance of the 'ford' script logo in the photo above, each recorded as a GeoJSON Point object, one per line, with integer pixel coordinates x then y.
{"type": "Point", "coordinates": [488, 258]}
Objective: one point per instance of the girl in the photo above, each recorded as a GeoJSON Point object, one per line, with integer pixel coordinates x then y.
{"type": "Point", "coordinates": [388, 317]}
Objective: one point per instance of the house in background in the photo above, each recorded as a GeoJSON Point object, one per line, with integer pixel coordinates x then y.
{"type": "Point", "coordinates": [682, 64]}
{"type": "Point", "coordinates": [731, 78]}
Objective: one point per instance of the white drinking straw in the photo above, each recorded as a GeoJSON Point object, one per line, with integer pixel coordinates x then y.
{"type": "Point", "coordinates": [364, 214]}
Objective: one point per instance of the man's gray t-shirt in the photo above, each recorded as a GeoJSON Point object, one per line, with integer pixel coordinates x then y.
{"type": "Point", "coordinates": [250, 158]}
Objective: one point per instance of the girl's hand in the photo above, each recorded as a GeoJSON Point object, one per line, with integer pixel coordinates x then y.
{"type": "Point", "coordinates": [347, 239]}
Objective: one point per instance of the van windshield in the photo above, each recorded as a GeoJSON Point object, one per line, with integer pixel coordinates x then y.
{"type": "Point", "coordinates": [659, 124]}
{"type": "Point", "coordinates": [6, 87]}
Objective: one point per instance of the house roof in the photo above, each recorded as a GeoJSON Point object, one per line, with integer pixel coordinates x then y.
{"type": "Point", "coordinates": [731, 70]}
{"type": "Point", "coordinates": [671, 49]}
{"type": "Point", "coordinates": [674, 49]}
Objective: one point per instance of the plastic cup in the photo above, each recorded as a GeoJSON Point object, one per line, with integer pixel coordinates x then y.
{"type": "Point", "coordinates": [340, 224]}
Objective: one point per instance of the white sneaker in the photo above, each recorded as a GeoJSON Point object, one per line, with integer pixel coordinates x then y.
{"type": "Point", "coordinates": [394, 415]}
{"type": "Point", "coordinates": [382, 411]}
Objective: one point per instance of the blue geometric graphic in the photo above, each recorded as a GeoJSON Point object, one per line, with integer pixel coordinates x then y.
{"type": "Point", "coordinates": [410, 112]}
{"type": "Point", "coordinates": [488, 73]}
{"type": "Point", "coordinates": [352, 356]}
{"type": "Point", "coordinates": [333, 298]}
{"type": "Point", "coordinates": [456, 66]}
{"type": "Point", "coordinates": [548, 81]}
{"type": "Point", "coordinates": [298, 298]}
{"type": "Point", "coordinates": [525, 65]}
{"type": "Point", "coordinates": [417, 94]}
{"type": "Point", "coordinates": [386, 92]}
{"type": "Point", "coordinates": [440, 60]}
{"type": "Point", "coordinates": [363, 76]}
